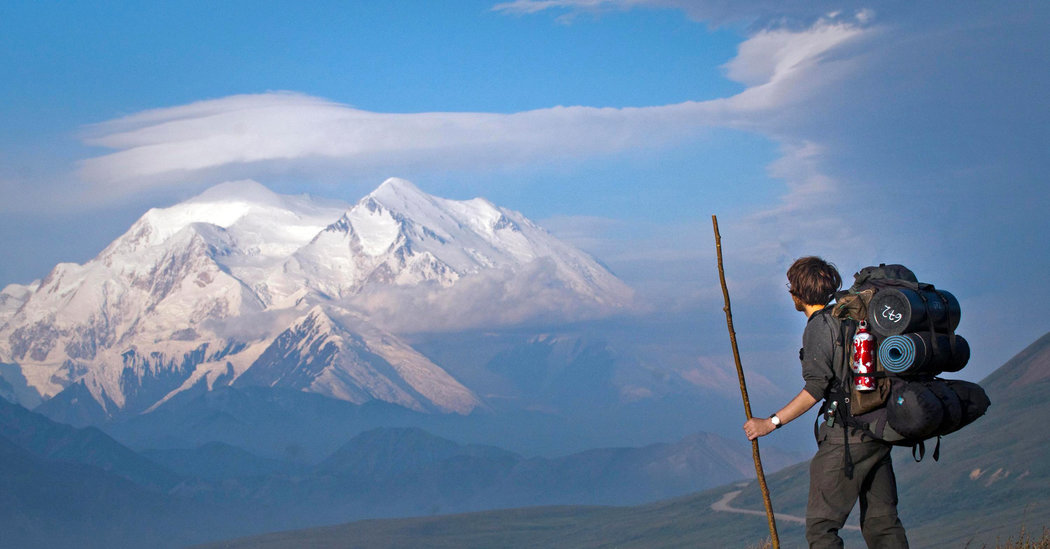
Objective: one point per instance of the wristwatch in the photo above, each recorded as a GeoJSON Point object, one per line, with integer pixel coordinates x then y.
{"type": "Point", "coordinates": [776, 421]}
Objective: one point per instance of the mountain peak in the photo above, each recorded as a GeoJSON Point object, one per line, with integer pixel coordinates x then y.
{"type": "Point", "coordinates": [316, 319]}
{"type": "Point", "coordinates": [232, 268]}
{"type": "Point", "coordinates": [399, 195]}
{"type": "Point", "coordinates": [245, 190]}
{"type": "Point", "coordinates": [398, 185]}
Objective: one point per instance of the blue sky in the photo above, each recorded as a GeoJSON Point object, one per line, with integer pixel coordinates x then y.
{"type": "Point", "coordinates": [862, 131]}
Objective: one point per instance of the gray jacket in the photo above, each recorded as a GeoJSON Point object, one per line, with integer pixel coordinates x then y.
{"type": "Point", "coordinates": [824, 362]}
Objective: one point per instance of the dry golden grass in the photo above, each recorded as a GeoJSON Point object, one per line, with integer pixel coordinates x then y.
{"type": "Point", "coordinates": [1026, 541]}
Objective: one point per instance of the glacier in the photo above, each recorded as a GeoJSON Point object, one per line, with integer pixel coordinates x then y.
{"type": "Point", "coordinates": [242, 286]}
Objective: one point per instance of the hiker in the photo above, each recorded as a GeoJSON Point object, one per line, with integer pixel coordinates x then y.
{"type": "Point", "coordinates": [833, 491]}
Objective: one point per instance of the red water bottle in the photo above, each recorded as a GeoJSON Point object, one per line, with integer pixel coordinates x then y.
{"type": "Point", "coordinates": [863, 359]}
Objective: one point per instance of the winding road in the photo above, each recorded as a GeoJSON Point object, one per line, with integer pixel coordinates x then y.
{"type": "Point", "coordinates": [724, 506]}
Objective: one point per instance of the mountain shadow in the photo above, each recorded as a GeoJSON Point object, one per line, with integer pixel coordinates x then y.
{"type": "Point", "coordinates": [55, 441]}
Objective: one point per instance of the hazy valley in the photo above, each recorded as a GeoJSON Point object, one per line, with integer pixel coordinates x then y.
{"type": "Point", "coordinates": [246, 361]}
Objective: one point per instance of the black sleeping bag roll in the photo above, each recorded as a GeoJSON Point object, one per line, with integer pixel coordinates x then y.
{"type": "Point", "coordinates": [914, 410]}
{"type": "Point", "coordinates": [973, 399]}
{"type": "Point", "coordinates": [951, 405]}
{"type": "Point", "coordinates": [920, 409]}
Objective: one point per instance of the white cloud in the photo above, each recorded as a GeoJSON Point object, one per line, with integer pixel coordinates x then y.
{"type": "Point", "coordinates": [294, 129]}
{"type": "Point", "coordinates": [237, 136]}
{"type": "Point", "coordinates": [491, 298]}
{"type": "Point", "coordinates": [771, 56]}
{"type": "Point", "coordinates": [535, 6]}
{"type": "Point", "coordinates": [716, 12]}
{"type": "Point", "coordinates": [921, 140]}
{"type": "Point", "coordinates": [572, 7]}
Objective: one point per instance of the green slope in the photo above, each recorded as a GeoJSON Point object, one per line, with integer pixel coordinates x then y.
{"type": "Point", "coordinates": [993, 478]}
{"type": "Point", "coordinates": [685, 522]}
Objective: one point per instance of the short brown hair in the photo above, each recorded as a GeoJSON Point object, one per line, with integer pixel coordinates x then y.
{"type": "Point", "coordinates": [813, 280]}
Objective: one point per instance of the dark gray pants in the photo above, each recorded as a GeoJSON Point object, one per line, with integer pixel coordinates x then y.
{"type": "Point", "coordinates": [832, 495]}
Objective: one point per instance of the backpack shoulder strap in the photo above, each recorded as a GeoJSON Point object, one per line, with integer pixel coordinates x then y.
{"type": "Point", "coordinates": [838, 392]}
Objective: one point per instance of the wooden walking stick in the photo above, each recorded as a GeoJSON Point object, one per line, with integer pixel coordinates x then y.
{"type": "Point", "coordinates": [743, 389]}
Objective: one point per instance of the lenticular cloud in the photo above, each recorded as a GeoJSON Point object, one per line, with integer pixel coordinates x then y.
{"type": "Point", "coordinates": [243, 135]}
{"type": "Point", "coordinates": [295, 128]}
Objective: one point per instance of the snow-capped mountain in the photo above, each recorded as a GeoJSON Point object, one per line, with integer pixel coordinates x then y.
{"type": "Point", "coordinates": [400, 235]}
{"type": "Point", "coordinates": [321, 355]}
{"type": "Point", "coordinates": [241, 285]}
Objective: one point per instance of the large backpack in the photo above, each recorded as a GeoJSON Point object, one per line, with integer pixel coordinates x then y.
{"type": "Point", "coordinates": [913, 325]}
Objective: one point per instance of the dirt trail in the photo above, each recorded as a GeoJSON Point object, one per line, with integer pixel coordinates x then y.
{"type": "Point", "coordinates": [724, 506]}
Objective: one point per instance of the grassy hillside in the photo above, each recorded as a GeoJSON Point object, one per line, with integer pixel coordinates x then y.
{"type": "Point", "coordinates": [991, 483]}
{"type": "Point", "coordinates": [685, 522]}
